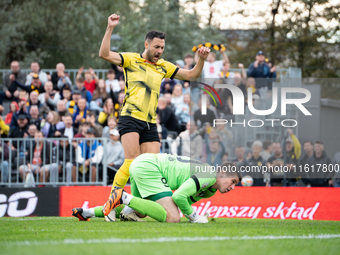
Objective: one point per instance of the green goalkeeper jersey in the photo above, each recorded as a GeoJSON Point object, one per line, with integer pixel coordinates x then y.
{"type": "Point", "coordinates": [191, 179]}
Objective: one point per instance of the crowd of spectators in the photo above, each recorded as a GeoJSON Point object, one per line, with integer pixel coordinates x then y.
{"type": "Point", "coordinates": [50, 106]}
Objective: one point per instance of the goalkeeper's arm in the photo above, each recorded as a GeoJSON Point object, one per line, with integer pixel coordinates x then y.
{"type": "Point", "coordinates": [184, 197]}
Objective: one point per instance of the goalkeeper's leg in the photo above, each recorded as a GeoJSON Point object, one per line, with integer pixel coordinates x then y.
{"type": "Point", "coordinates": [163, 210]}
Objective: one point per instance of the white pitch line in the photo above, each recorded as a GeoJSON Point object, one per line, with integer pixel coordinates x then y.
{"type": "Point", "coordinates": [165, 239]}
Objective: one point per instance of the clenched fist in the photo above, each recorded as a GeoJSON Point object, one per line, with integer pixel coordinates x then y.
{"type": "Point", "coordinates": [113, 20]}
{"type": "Point", "coordinates": [203, 52]}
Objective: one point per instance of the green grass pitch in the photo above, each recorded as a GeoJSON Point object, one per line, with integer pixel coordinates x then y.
{"type": "Point", "coordinates": [57, 235]}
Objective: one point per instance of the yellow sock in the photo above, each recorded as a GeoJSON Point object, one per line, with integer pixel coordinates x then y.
{"type": "Point", "coordinates": [122, 175]}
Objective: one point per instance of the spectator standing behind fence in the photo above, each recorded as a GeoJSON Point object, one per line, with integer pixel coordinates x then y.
{"type": "Point", "coordinates": [167, 85]}
{"type": "Point", "coordinates": [83, 127]}
{"type": "Point", "coordinates": [255, 161]}
{"type": "Point", "coordinates": [260, 70]}
{"type": "Point", "coordinates": [189, 61]}
{"type": "Point", "coordinates": [43, 109]}
{"type": "Point", "coordinates": [167, 117]}
{"type": "Point", "coordinates": [226, 76]}
{"type": "Point", "coordinates": [89, 154]}
{"type": "Point", "coordinates": [14, 74]}
{"type": "Point", "coordinates": [188, 143]}
{"type": "Point", "coordinates": [319, 159]}
{"type": "Point", "coordinates": [49, 97]}
{"type": "Point", "coordinates": [80, 115]}
{"type": "Point", "coordinates": [112, 83]}
{"type": "Point", "coordinates": [111, 124]}
{"type": "Point", "coordinates": [72, 105]}
{"type": "Point", "coordinates": [214, 148]}
{"type": "Point", "coordinates": [67, 94]}
{"type": "Point", "coordinates": [177, 95]}
{"type": "Point", "coordinates": [60, 79]}
{"type": "Point", "coordinates": [35, 85]}
{"type": "Point", "coordinates": [240, 159]}
{"type": "Point", "coordinates": [68, 130]}
{"type": "Point", "coordinates": [41, 156]}
{"type": "Point", "coordinates": [13, 107]}
{"type": "Point", "coordinates": [182, 111]}
{"type": "Point", "coordinates": [114, 154]}
{"type": "Point", "coordinates": [66, 154]}
{"type": "Point", "coordinates": [168, 96]}
{"type": "Point", "coordinates": [19, 130]}
{"type": "Point", "coordinates": [22, 110]}
{"type": "Point", "coordinates": [35, 69]}
{"type": "Point", "coordinates": [51, 125]}
{"type": "Point", "coordinates": [293, 146]}
{"type": "Point", "coordinates": [309, 150]}
{"type": "Point", "coordinates": [109, 111]}
{"type": "Point", "coordinates": [277, 160]}
{"type": "Point", "coordinates": [267, 150]}
{"type": "Point", "coordinates": [99, 96]}
{"type": "Point", "coordinates": [91, 79]}
{"type": "Point", "coordinates": [62, 110]}
{"type": "Point", "coordinates": [27, 144]}
{"type": "Point", "coordinates": [119, 104]}
{"type": "Point", "coordinates": [213, 67]}
{"type": "Point", "coordinates": [34, 116]}
{"type": "Point", "coordinates": [83, 91]}
{"type": "Point", "coordinates": [91, 118]}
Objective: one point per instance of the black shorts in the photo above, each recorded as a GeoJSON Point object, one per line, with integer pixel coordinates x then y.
{"type": "Point", "coordinates": [147, 131]}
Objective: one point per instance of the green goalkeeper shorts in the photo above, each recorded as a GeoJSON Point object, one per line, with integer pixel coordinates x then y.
{"type": "Point", "coordinates": [146, 179]}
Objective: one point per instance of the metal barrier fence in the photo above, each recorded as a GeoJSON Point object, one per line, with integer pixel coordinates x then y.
{"type": "Point", "coordinates": [59, 165]}
{"type": "Point", "coordinates": [72, 73]}
{"type": "Point", "coordinates": [101, 73]}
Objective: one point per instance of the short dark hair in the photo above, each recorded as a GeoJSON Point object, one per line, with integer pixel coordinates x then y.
{"type": "Point", "coordinates": [153, 33]}
{"type": "Point", "coordinates": [226, 166]}
{"type": "Point", "coordinates": [318, 142]}
{"type": "Point", "coordinates": [85, 124]}
{"type": "Point", "coordinates": [80, 79]}
{"type": "Point", "coordinates": [308, 142]}
{"type": "Point", "coordinates": [111, 71]}
{"type": "Point", "coordinates": [266, 144]}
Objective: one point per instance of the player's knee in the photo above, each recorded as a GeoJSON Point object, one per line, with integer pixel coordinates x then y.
{"type": "Point", "coordinates": [173, 217]}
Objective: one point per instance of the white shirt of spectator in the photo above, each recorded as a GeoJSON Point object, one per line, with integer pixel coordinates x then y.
{"type": "Point", "coordinates": [212, 70]}
{"type": "Point", "coordinates": [69, 132]}
{"type": "Point", "coordinates": [177, 100]}
{"type": "Point", "coordinates": [114, 84]}
{"type": "Point", "coordinates": [53, 101]}
{"type": "Point", "coordinates": [42, 77]}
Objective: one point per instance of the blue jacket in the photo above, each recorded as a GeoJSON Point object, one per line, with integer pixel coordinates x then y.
{"type": "Point", "coordinates": [88, 152]}
{"type": "Point", "coordinates": [76, 114]}
{"type": "Point", "coordinates": [261, 74]}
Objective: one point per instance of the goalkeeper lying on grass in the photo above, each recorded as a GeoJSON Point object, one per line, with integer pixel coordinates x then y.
{"type": "Point", "coordinates": [154, 176]}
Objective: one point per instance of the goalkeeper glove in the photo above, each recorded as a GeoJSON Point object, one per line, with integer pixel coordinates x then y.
{"type": "Point", "coordinates": [195, 218]}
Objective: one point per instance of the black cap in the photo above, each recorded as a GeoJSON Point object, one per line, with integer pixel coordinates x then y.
{"type": "Point", "coordinates": [22, 116]}
{"type": "Point", "coordinates": [76, 91]}
{"type": "Point", "coordinates": [260, 53]}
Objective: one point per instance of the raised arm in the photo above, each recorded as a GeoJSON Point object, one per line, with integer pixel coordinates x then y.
{"type": "Point", "coordinates": [104, 51]}
{"type": "Point", "coordinates": [184, 74]}
{"type": "Point", "coordinates": [225, 57]}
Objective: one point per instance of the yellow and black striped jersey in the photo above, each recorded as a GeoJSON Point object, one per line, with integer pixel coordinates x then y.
{"type": "Point", "coordinates": [143, 81]}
